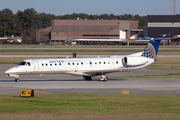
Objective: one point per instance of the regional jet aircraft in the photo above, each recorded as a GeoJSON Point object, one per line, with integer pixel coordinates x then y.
{"type": "Point", "coordinates": [88, 67]}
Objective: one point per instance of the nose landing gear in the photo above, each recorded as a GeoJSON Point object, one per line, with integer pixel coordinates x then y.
{"type": "Point", "coordinates": [17, 80]}
{"type": "Point", "coordinates": [14, 75]}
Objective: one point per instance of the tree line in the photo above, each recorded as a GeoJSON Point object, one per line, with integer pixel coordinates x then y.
{"type": "Point", "coordinates": [26, 23]}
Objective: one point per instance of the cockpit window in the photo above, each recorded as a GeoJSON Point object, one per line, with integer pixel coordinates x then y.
{"type": "Point", "coordinates": [28, 64]}
{"type": "Point", "coordinates": [25, 63]}
{"type": "Point", "coordinates": [22, 63]}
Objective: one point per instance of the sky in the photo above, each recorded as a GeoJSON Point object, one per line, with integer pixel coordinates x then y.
{"type": "Point", "coordinates": [116, 7]}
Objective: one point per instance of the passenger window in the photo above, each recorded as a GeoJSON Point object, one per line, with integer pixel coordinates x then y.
{"type": "Point", "coordinates": [73, 63]}
{"type": "Point", "coordinates": [90, 63]}
{"type": "Point", "coordinates": [42, 64]}
{"type": "Point", "coordinates": [95, 63]}
{"type": "Point", "coordinates": [104, 62]}
{"type": "Point", "coordinates": [116, 62]}
{"type": "Point", "coordinates": [99, 62]}
{"type": "Point", "coordinates": [81, 63]}
{"type": "Point", "coordinates": [46, 64]}
{"type": "Point", "coordinates": [59, 63]}
{"type": "Point", "coordinates": [77, 63]}
{"type": "Point", "coordinates": [108, 62]}
{"type": "Point", "coordinates": [68, 63]}
{"type": "Point", "coordinates": [55, 64]}
{"type": "Point", "coordinates": [112, 62]}
{"type": "Point", "coordinates": [50, 64]}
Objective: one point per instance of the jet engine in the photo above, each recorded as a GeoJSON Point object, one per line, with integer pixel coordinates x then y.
{"type": "Point", "coordinates": [134, 61]}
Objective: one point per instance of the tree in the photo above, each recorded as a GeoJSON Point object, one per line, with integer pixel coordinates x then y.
{"type": "Point", "coordinates": [7, 22]}
{"type": "Point", "coordinates": [142, 25]}
{"type": "Point", "coordinates": [28, 20]}
{"type": "Point", "coordinates": [1, 25]}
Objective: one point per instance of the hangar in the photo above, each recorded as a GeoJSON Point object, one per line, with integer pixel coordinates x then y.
{"type": "Point", "coordinates": [89, 31]}
{"type": "Point", "coordinates": [164, 24]}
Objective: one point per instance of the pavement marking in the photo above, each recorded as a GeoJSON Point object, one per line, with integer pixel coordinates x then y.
{"type": "Point", "coordinates": [41, 91]}
{"type": "Point", "coordinates": [125, 92]}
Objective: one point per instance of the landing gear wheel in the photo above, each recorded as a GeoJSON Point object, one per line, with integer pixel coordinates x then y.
{"type": "Point", "coordinates": [105, 79]}
{"type": "Point", "coordinates": [17, 80]}
{"type": "Point", "coordinates": [88, 78]}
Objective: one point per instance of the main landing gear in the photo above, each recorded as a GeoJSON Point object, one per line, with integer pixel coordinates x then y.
{"type": "Point", "coordinates": [104, 78]}
{"type": "Point", "coordinates": [16, 79]}
{"type": "Point", "coordinates": [88, 78]}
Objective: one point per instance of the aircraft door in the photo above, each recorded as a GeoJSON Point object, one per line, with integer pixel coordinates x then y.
{"type": "Point", "coordinates": [29, 67]}
{"type": "Point", "coordinates": [36, 65]}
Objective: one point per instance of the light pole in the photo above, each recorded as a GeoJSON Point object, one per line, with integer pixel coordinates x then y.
{"type": "Point", "coordinates": [67, 34]}
{"type": "Point", "coordinates": [112, 33]}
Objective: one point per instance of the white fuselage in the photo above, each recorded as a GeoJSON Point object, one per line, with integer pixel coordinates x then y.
{"type": "Point", "coordinates": [75, 66]}
{"type": "Point", "coordinates": [88, 67]}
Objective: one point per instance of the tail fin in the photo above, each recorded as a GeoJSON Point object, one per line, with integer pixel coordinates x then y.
{"type": "Point", "coordinates": [151, 49]}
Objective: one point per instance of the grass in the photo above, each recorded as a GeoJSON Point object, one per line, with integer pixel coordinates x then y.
{"type": "Point", "coordinates": [16, 60]}
{"type": "Point", "coordinates": [149, 76]}
{"type": "Point", "coordinates": [83, 46]}
{"type": "Point", "coordinates": [67, 51]}
{"type": "Point", "coordinates": [166, 63]}
{"type": "Point", "coordinates": [80, 106]}
{"type": "Point", "coordinates": [83, 51]}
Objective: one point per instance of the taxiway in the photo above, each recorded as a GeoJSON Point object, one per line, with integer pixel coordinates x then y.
{"type": "Point", "coordinates": [67, 84]}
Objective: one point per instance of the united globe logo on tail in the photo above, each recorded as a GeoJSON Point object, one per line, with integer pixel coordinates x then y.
{"type": "Point", "coordinates": [151, 49]}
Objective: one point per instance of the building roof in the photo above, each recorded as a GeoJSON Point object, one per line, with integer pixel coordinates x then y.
{"type": "Point", "coordinates": [48, 29]}
{"type": "Point", "coordinates": [163, 18]}
{"type": "Point", "coordinates": [79, 28]}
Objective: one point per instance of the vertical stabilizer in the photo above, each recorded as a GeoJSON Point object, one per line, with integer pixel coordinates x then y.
{"type": "Point", "coordinates": [151, 49]}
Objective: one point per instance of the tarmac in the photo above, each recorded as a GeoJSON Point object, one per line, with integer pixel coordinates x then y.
{"type": "Point", "coordinates": [68, 84]}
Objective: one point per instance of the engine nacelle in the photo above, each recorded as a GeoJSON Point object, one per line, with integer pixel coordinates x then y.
{"type": "Point", "coordinates": [134, 61]}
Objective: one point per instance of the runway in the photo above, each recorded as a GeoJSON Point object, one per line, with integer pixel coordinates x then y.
{"type": "Point", "coordinates": [67, 84]}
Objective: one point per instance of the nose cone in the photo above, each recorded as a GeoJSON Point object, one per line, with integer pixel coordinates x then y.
{"type": "Point", "coordinates": [8, 71]}
{"type": "Point", "coordinates": [11, 70]}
